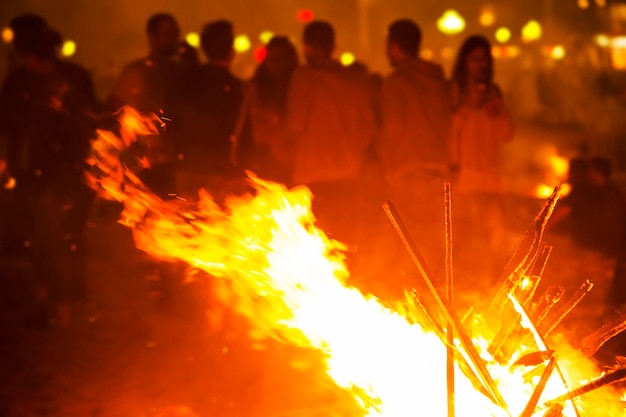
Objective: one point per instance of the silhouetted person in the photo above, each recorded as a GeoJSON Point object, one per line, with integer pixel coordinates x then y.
{"type": "Point", "coordinates": [412, 144]}
{"type": "Point", "coordinates": [154, 85]}
{"type": "Point", "coordinates": [601, 229]}
{"type": "Point", "coordinates": [330, 124]}
{"type": "Point", "coordinates": [573, 208]}
{"type": "Point", "coordinates": [46, 108]}
{"type": "Point", "coordinates": [265, 107]}
{"type": "Point", "coordinates": [481, 125]}
{"type": "Point", "coordinates": [416, 110]}
{"type": "Point", "coordinates": [217, 98]}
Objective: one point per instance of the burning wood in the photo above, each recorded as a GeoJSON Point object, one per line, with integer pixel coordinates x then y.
{"type": "Point", "coordinates": [608, 379]}
{"type": "Point", "coordinates": [554, 319]}
{"type": "Point", "coordinates": [524, 256]}
{"type": "Point", "coordinates": [527, 292]}
{"type": "Point", "coordinates": [593, 342]}
{"type": "Point", "coordinates": [529, 410]}
{"type": "Point", "coordinates": [548, 300]}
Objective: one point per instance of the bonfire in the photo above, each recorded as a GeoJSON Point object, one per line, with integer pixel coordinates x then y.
{"type": "Point", "coordinates": [409, 357]}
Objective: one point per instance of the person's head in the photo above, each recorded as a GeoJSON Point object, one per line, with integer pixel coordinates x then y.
{"type": "Point", "coordinates": [281, 58]}
{"type": "Point", "coordinates": [217, 40]}
{"type": "Point", "coordinates": [318, 38]}
{"type": "Point", "coordinates": [600, 170]}
{"type": "Point", "coordinates": [404, 39]}
{"type": "Point", "coordinates": [40, 55]}
{"type": "Point", "coordinates": [474, 62]}
{"type": "Point", "coordinates": [27, 29]}
{"type": "Point", "coordinates": [163, 34]}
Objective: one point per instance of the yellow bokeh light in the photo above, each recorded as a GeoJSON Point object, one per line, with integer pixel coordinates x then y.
{"type": "Point", "coordinates": [583, 4]}
{"type": "Point", "coordinates": [531, 31]}
{"type": "Point", "coordinates": [503, 35]}
{"type": "Point", "coordinates": [7, 35]}
{"type": "Point", "coordinates": [266, 35]}
{"type": "Point", "coordinates": [347, 58]}
{"type": "Point", "coordinates": [68, 48]}
{"type": "Point", "coordinates": [487, 18]}
{"type": "Point", "coordinates": [193, 39]}
{"type": "Point", "coordinates": [558, 52]}
{"type": "Point", "coordinates": [602, 40]}
{"type": "Point", "coordinates": [242, 43]}
{"type": "Point", "coordinates": [451, 23]}
{"type": "Point", "coordinates": [618, 42]}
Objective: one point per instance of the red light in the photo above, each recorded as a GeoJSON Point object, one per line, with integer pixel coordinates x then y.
{"type": "Point", "coordinates": [305, 15]}
{"type": "Point", "coordinates": [260, 53]}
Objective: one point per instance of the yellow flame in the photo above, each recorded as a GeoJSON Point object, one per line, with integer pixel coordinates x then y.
{"type": "Point", "coordinates": [289, 279]}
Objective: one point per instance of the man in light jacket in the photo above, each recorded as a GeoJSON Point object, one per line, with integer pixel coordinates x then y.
{"type": "Point", "coordinates": [329, 122]}
{"type": "Point", "coordinates": [416, 109]}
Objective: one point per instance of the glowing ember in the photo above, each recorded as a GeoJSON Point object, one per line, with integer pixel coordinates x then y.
{"type": "Point", "coordinates": [289, 278]}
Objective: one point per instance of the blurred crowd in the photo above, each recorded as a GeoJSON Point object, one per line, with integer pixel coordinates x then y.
{"type": "Point", "coordinates": [302, 119]}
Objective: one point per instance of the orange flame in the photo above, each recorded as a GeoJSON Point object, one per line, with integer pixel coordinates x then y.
{"type": "Point", "coordinates": [289, 279]}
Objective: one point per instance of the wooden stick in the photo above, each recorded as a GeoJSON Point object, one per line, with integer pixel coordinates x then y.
{"type": "Point", "coordinates": [446, 309]}
{"type": "Point", "coordinates": [449, 296]}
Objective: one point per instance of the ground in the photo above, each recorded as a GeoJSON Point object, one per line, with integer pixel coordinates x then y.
{"type": "Point", "coordinates": [124, 355]}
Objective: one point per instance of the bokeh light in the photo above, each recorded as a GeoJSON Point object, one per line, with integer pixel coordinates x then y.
{"type": "Point", "coordinates": [503, 35]}
{"type": "Point", "coordinates": [531, 31]}
{"type": "Point", "coordinates": [487, 17]}
{"type": "Point", "coordinates": [305, 15]}
{"type": "Point", "coordinates": [266, 36]}
{"type": "Point", "coordinates": [242, 43]}
{"type": "Point", "coordinates": [602, 40]}
{"type": "Point", "coordinates": [193, 39]}
{"type": "Point", "coordinates": [447, 53]}
{"type": "Point", "coordinates": [583, 4]}
{"type": "Point", "coordinates": [260, 53]}
{"type": "Point", "coordinates": [558, 52]}
{"type": "Point", "coordinates": [347, 58]}
{"type": "Point", "coordinates": [7, 35]}
{"type": "Point", "coordinates": [451, 23]}
{"type": "Point", "coordinates": [427, 54]}
{"type": "Point", "coordinates": [68, 48]}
